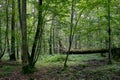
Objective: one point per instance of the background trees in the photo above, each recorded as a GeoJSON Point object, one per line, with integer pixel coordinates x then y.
{"type": "Point", "coordinates": [38, 27]}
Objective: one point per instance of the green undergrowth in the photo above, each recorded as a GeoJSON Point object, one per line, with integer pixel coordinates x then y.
{"type": "Point", "coordinates": [6, 70]}
{"type": "Point", "coordinates": [80, 67]}
{"type": "Point", "coordinates": [83, 71]}
{"type": "Point", "coordinates": [107, 72]}
{"type": "Point", "coordinates": [58, 59]}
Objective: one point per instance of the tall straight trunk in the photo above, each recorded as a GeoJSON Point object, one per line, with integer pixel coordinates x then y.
{"type": "Point", "coordinates": [24, 54]}
{"type": "Point", "coordinates": [0, 37]}
{"type": "Point", "coordinates": [7, 28]}
{"type": "Point", "coordinates": [6, 33]}
{"type": "Point", "coordinates": [75, 41]}
{"type": "Point", "coordinates": [20, 14]}
{"type": "Point", "coordinates": [51, 40]}
{"type": "Point", "coordinates": [12, 55]}
{"type": "Point", "coordinates": [0, 34]}
{"type": "Point", "coordinates": [43, 44]}
{"type": "Point", "coordinates": [20, 22]}
{"type": "Point", "coordinates": [17, 42]}
{"type": "Point", "coordinates": [109, 32]}
{"type": "Point", "coordinates": [79, 42]}
{"type": "Point", "coordinates": [17, 49]}
{"type": "Point", "coordinates": [1, 47]}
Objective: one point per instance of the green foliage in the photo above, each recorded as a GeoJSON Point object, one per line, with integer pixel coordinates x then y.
{"type": "Point", "coordinates": [56, 58]}
{"type": "Point", "coordinates": [112, 68]}
{"type": "Point", "coordinates": [103, 72]}
{"type": "Point", "coordinates": [78, 68]}
{"type": "Point", "coordinates": [91, 30]}
{"type": "Point", "coordinates": [85, 57]}
{"type": "Point", "coordinates": [6, 70]}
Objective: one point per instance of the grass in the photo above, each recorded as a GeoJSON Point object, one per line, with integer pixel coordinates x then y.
{"type": "Point", "coordinates": [53, 60]}
{"type": "Point", "coordinates": [58, 59]}
{"type": "Point", "coordinates": [6, 70]}
{"type": "Point", "coordinates": [106, 72]}
{"type": "Point", "coordinates": [78, 69]}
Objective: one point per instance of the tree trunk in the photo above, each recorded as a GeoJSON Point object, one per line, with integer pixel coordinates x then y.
{"type": "Point", "coordinates": [75, 41]}
{"type": "Point", "coordinates": [38, 35]}
{"type": "Point", "coordinates": [50, 41]}
{"type": "Point", "coordinates": [0, 38]}
{"type": "Point", "coordinates": [109, 32]}
{"type": "Point", "coordinates": [12, 55]}
{"type": "Point", "coordinates": [7, 28]}
{"type": "Point", "coordinates": [70, 36]}
{"type": "Point", "coordinates": [24, 54]}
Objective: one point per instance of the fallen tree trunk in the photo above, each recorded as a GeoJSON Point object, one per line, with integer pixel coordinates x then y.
{"type": "Point", "coordinates": [90, 51]}
{"type": "Point", "coordinates": [63, 49]}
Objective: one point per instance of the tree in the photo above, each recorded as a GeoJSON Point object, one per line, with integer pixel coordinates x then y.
{"type": "Point", "coordinates": [73, 27]}
{"type": "Point", "coordinates": [71, 33]}
{"type": "Point", "coordinates": [7, 28]}
{"type": "Point", "coordinates": [0, 36]}
{"type": "Point", "coordinates": [109, 32]}
{"type": "Point", "coordinates": [12, 55]}
{"type": "Point", "coordinates": [24, 54]}
{"type": "Point", "coordinates": [2, 49]}
{"type": "Point", "coordinates": [37, 39]}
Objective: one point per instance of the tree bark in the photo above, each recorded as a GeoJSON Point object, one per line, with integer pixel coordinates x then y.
{"type": "Point", "coordinates": [37, 35]}
{"type": "Point", "coordinates": [0, 34]}
{"type": "Point", "coordinates": [91, 51]}
{"type": "Point", "coordinates": [24, 54]}
{"type": "Point", "coordinates": [51, 40]}
{"type": "Point", "coordinates": [12, 55]}
{"type": "Point", "coordinates": [70, 36]}
{"type": "Point", "coordinates": [109, 32]}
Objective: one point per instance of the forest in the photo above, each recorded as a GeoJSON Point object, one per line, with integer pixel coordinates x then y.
{"type": "Point", "coordinates": [59, 40]}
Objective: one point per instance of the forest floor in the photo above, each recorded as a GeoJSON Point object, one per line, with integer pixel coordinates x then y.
{"type": "Point", "coordinates": [89, 68]}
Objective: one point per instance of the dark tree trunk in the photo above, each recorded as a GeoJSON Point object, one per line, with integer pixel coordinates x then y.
{"type": "Point", "coordinates": [75, 41]}
{"type": "Point", "coordinates": [53, 38]}
{"type": "Point", "coordinates": [109, 32]}
{"type": "Point", "coordinates": [50, 41]}
{"type": "Point", "coordinates": [0, 38]}
{"type": "Point", "coordinates": [24, 54]}
{"type": "Point", "coordinates": [17, 49]}
{"type": "Point", "coordinates": [37, 36]}
{"type": "Point", "coordinates": [115, 51]}
{"type": "Point", "coordinates": [70, 36]}
{"type": "Point", "coordinates": [43, 43]}
{"type": "Point", "coordinates": [12, 55]}
{"type": "Point", "coordinates": [17, 43]}
{"type": "Point", "coordinates": [20, 22]}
